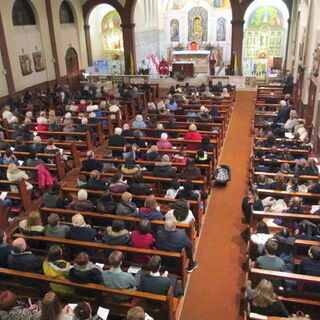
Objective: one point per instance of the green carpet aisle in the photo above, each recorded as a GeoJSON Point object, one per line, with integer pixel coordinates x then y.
{"type": "Point", "coordinates": [214, 288]}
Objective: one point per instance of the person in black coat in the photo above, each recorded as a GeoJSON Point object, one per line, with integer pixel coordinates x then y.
{"type": "Point", "coordinates": [311, 266]}
{"type": "Point", "coordinates": [91, 164]}
{"type": "Point", "coordinates": [206, 145]}
{"type": "Point", "coordinates": [117, 141]}
{"type": "Point", "coordinates": [22, 260]}
{"type": "Point", "coordinates": [84, 271]}
{"type": "Point", "coordinates": [5, 250]}
{"type": "Point", "coordinates": [153, 282]}
{"type": "Point", "coordinates": [94, 182]}
{"type": "Point", "coordinates": [164, 169]}
{"type": "Point", "coordinates": [82, 232]}
{"type": "Point", "coordinates": [250, 203]}
{"type": "Point", "coordinates": [283, 113]}
{"type": "Point", "coordinates": [137, 185]}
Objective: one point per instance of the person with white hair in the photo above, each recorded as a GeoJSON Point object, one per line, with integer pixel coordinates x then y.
{"type": "Point", "coordinates": [192, 134]}
{"type": "Point", "coordinates": [91, 163]}
{"type": "Point", "coordinates": [164, 143]}
{"type": "Point", "coordinates": [117, 140]}
{"type": "Point", "coordinates": [207, 92]}
{"type": "Point", "coordinates": [37, 147]}
{"type": "Point", "coordinates": [13, 122]}
{"type": "Point", "coordinates": [300, 129]}
{"type": "Point", "coordinates": [81, 204]}
{"type": "Point", "coordinates": [7, 114]}
{"type": "Point", "coordinates": [225, 93]}
{"type": "Point", "coordinates": [83, 126]}
{"type": "Point", "coordinates": [164, 169]}
{"type": "Point", "coordinates": [161, 105]}
{"type": "Point", "coordinates": [292, 121]}
{"type": "Point", "coordinates": [80, 230]}
{"type": "Point", "coordinates": [114, 108]}
{"type": "Point", "coordinates": [138, 122]}
{"type": "Point", "coordinates": [41, 117]}
{"type": "Point", "coordinates": [152, 108]}
{"type": "Point", "coordinates": [174, 240]}
{"type": "Point", "coordinates": [42, 126]}
{"type": "Point", "coordinates": [283, 113]}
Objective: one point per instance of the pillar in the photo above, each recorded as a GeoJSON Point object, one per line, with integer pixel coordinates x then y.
{"type": "Point", "coordinates": [53, 41]}
{"type": "Point", "coordinates": [6, 61]}
{"type": "Point", "coordinates": [129, 46]}
{"type": "Point", "coordinates": [237, 39]}
{"type": "Point", "coordinates": [88, 43]}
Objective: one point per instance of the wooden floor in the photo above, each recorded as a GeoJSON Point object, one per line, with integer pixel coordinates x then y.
{"type": "Point", "coordinates": [214, 288]}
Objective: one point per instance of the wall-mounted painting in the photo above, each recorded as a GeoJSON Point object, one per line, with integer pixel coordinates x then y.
{"type": "Point", "coordinates": [25, 64]}
{"type": "Point", "coordinates": [38, 61]}
{"type": "Point", "coordinates": [316, 61]}
{"type": "Point", "coordinates": [198, 24]}
{"type": "Point", "coordinates": [221, 4]}
{"type": "Point", "coordinates": [221, 29]}
{"type": "Point", "coordinates": [174, 30]}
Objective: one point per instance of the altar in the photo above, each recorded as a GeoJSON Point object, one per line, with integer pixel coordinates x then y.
{"type": "Point", "coordinates": [190, 55]}
{"type": "Point", "coordinates": [184, 68]}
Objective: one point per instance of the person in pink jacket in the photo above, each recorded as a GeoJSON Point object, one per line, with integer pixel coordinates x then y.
{"type": "Point", "coordinates": [192, 134]}
{"type": "Point", "coordinates": [164, 143]}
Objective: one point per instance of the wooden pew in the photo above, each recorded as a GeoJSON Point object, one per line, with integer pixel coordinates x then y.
{"type": "Point", "coordinates": [168, 302]}
{"type": "Point", "coordinates": [286, 176]}
{"type": "Point", "coordinates": [287, 194]}
{"type": "Point", "coordinates": [194, 205]}
{"type": "Point", "coordinates": [181, 258]}
{"type": "Point", "coordinates": [89, 216]}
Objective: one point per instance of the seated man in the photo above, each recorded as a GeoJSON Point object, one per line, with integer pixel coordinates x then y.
{"type": "Point", "coordinates": [116, 278]}
{"type": "Point", "coordinates": [173, 240]}
{"type": "Point", "coordinates": [91, 163]}
{"type": "Point", "coordinates": [270, 261]}
{"type": "Point", "coordinates": [311, 266]}
{"type": "Point", "coordinates": [54, 229]}
{"type": "Point", "coordinates": [153, 282]}
{"type": "Point", "coordinates": [22, 260]}
{"type": "Point", "coordinates": [94, 182]}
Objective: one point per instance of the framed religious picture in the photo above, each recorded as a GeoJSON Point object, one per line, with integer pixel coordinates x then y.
{"type": "Point", "coordinates": [316, 61]}
{"type": "Point", "coordinates": [38, 61]}
{"type": "Point", "coordinates": [25, 64]}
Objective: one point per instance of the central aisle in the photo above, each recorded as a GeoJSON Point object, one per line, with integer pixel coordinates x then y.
{"type": "Point", "coordinates": [214, 288]}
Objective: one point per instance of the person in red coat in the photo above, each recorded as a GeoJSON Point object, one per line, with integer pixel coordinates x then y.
{"type": "Point", "coordinates": [164, 67]}
{"type": "Point", "coordinates": [142, 238]}
{"type": "Point", "coordinates": [192, 134]}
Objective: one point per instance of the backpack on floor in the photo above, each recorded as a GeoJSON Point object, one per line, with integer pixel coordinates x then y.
{"type": "Point", "coordinates": [222, 174]}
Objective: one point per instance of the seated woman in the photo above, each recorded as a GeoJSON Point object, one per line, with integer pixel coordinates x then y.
{"type": "Point", "coordinates": [105, 204]}
{"type": "Point", "coordinates": [129, 167]}
{"type": "Point", "coordinates": [10, 309]}
{"type": "Point", "coordinates": [264, 301]}
{"type": "Point", "coordinates": [142, 238]}
{"type": "Point", "coordinates": [251, 202]}
{"type": "Point", "coordinates": [206, 145]}
{"type": "Point", "coordinates": [130, 152]}
{"type": "Point", "coordinates": [173, 190]}
{"type": "Point", "coordinates": [295, 205]}
{"type": "Point", "coordinates": [285, 168]}
{"type": "Point", "coordinates": [300, 129]}
{"type": "Point", "coordinates": [125, 207]}
{"type": "Point", "coordinates": [188, 192]}
{"type": "Point", "coordinates": [191, 171]}
{"type": "Point", "coordinates": [84, 271]}
{"type": "Point", "coordinates": [293, 185]}
{"type": "Point", "coordinates": [149, 211]}
{"type": "Point", "coordinates": [56, 267]}
{"type": "Point", "coordinates": [138, 122]}
{"type": "Point", "coordinates": [261, 236]}
{"type": "Point", "coordinates": [82, 232]}
{"type": "Point", "coordinates": [152, 109]}
{"type": "Point", "coordinates": [225, 93]}
{"type": "Point", "coordinates": [32, 226]}
{"type": "Point", "coordinates": [311, 168]}
{"type": "Point", "coordinates": [159, 130]}
{"type": "Point", "coordinates": [15, 174]}
{"type": "Point", "coordinates": [42, 126]}
{"type": "Point", "coordinates": [137, 185]}
{"type": "Point", "coordinates": [164, 169]}
{"type": "Point", "coordinates": [126, 132]}
{"type": "Point", "coordinates": [180, 212]}
{"type": "Point", "coordinates": [117, 184]}
{"type": "Point", "coordinates": [262, 182]}
{"type": "Point", "coordinates": [117, 235]}
{"type": "Point", "coordinates": [9, 157]}
{"type": "Point", "coordinates": [82, 203]}
{"type": "Point", "coordinates": [51, 148]}
{"type": "Point", "coordinates": [278, 183]}
{"type": "Point", "coordinates": [94, 182]}
{"type": "Point", "coordinates": [182, 158]}
{"type": "Point", "coordinates": [164, 143]}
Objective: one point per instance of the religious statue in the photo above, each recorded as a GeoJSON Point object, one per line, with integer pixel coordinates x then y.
{"type": "Point", "coordinates": [197, 29]}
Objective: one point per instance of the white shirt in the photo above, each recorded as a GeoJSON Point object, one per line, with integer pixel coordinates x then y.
{"type": "Point", "coordinates": [260, 240]}
{"type": "Point", "coordinates": [187, 220]}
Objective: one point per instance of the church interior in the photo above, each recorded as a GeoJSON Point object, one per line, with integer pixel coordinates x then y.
{"type": "Point", "coordinates": [159, 159]}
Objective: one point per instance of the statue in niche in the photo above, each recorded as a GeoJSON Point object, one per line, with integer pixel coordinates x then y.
{"type": "Point", "coordinates": [174, 30]}
{"type": "Point", "coordinates": [221, 29]}
{"type": "Point", "coordinates": [197, 29]}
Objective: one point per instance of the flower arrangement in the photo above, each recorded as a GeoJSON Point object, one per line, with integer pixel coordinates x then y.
{"type": "Point", "coordinates": [209, 46]}
{"type": "Point", "coordinates": [179, 46]}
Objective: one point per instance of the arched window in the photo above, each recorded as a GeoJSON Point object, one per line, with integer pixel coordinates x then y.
{"type": "Point", "coordinates": [22, 14]}
{"type": "Point", "coordinates": [66, 14]}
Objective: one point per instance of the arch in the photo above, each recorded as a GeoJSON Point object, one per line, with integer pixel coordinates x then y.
{"type": "Point", "coordinates": [266, 25]}
{"type": "Point", "coordinates": [72, 66]}
{"type": "Point", "coordinates": [22, 13]}
{"type": "Point", "coordinates": [65, 13]}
